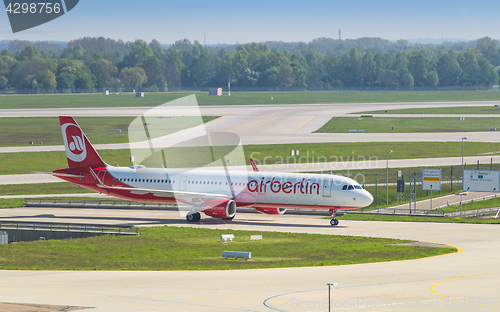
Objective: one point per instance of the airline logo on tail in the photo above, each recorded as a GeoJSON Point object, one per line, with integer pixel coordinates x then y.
{"type": "Point", "coordinates": [74, 142]}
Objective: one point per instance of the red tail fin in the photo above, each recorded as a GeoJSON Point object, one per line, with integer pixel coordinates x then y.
{"type": "Point", "coordinates": [79, 151]}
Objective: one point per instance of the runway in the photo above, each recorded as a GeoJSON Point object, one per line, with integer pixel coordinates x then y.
{"type": "Point", "coordinates": [464, 281]}
{"type": "Point", "coordinates": [273, 124]}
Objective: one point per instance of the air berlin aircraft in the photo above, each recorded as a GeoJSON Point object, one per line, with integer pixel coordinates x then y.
{"type": "Point", "coordinates": [216, 193]}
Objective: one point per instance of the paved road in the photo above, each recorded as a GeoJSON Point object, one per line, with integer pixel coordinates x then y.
{"type": "Point", "coordinates": [432, 284]}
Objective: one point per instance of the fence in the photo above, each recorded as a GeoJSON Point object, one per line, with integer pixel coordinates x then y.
{"type": "Point", "coordinates": [240, 89]}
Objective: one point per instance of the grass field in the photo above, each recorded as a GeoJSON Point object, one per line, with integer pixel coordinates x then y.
{"type": "Point", "coordinates": [11, 203]}
{"type": "Point", "coordinates": [24, 163]}
{"type": "Point", "coordinates": [171, 248]}
{"type": "Point", "coordinates": [465, 110]}
{"type": "Point", "coordinates": [99, 130]}
{"type": "Point", "coordinates": [242, 98]}
{"type": "Point", "coordinates": [408, 125]}
{"type": "Point", "coordinates": [41, 188]}
{"type": "Point", "coordinates": [490, 203]}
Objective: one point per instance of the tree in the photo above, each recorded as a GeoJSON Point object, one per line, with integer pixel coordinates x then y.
{"type": "Point", "coordinates": [432, 79]}
{"type": "Point", "coordinates": [389, 78]}
{"type": "Point", "coordinates": [138, 52]}
{"type": "Point", "coordinates": [417, 66]}
{"type": "Point", "coordinates": [104, 72]}
{"type": "Point", "coordinates": [448, 70]}
{"type": "Point", "coordinates": [368, 69]}
{"type": "Point", "coordinates": [153, 69]}
{"type": "Point", "coordinates": [133, 77]}
{"type": "Point", "coordinates": [487, 73]}
{"type": "Point", "coordinates": [271, 77]}
{"type": "Point", "coordinates": [407, 80]}
{"type": "Point", "coordinates": [287, 76]}
{"type": "Point", "coordinates": [300, 74]}
{"type": "Point", "coordinates": [84, 79]}
{"type": "Point", "coordinates": [489, 50]}
{"type": "Point", "coordinates": [66, 78]}
{"type": "Point", "coordinates": [46, 80]}
{"type": "Point", "coordinates": [470, 69]}
{"type": "Point", "coordinates": [29, 52]}
{"type": "Point", "coordinates": [399, 65]}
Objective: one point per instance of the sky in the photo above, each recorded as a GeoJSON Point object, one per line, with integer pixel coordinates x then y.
{"type": "Point", "coordinates": [263, 20]}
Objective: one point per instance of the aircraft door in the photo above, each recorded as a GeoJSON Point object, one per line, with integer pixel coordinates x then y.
{"type": "Point", "coordinates": [182, 186]}
{"type": "Point", "coordinates": [327, 187]}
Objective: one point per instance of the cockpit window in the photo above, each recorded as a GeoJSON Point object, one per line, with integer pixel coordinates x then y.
{"type": "Point", "coordinates": [344, 187]}
{"type": "Point", "coordinates": [357, 187]}
{"type": "Point", "coordinates": [350, 187]}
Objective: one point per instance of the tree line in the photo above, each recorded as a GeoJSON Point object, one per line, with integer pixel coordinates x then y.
{"type": "Point", "coordinates": [95, 64]}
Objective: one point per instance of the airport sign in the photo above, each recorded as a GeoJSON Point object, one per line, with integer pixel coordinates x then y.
{"type": "Point", "coordinates": [481, 180]}
{"type": "Point", "coordinates": [431, 179]}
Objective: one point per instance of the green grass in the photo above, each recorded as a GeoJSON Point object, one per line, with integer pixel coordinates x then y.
{"type": "Point", "coordinates": [41, 188]}
{"type": "Point", "coordinates": [26, 163]}
{"type": "Point", "coordinates": [465, 110]}
{"type": "Point", "coordinates": [171, 248]}
{"type": "Point", "coordinates": [11, 203]}
{"type": "Point", "coordinates": [408, 125]}
{"type": "Point", "coordinates": [396, 218]}
{"type": "Point", "coordinates": [99, 130]}
{"type": "Point", "coordinates": [23, 163]}
{"type": "Point", "coordinates": [490, 203]}
{"type": "Point", "coordinates": [242, 98]}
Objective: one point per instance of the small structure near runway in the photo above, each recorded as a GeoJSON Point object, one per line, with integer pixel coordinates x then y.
{"type": "Point", "coordinates": [226, 238]}
{"type": "Point", "coordinates": [236, 255]}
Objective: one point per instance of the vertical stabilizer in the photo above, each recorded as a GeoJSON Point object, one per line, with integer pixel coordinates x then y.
{"type": "Point", "coordinates": [79, 151]}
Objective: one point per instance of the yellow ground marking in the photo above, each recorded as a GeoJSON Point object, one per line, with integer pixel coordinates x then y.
{"type": "Point", "coordinates": [302, 125]}
{"type": "Point", "coordinates": [255, 123]}
{"type": "Point", "coordinates": [461, 300]}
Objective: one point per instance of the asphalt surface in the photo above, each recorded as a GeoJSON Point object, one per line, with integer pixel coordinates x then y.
{"type": "Point", "coordinates": [464, 281]}
{"type": "Point", "coordinates": [272, 124]}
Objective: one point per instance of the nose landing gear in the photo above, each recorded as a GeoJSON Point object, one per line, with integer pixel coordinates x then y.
{"type": "Point", "coordinates": [333, 221]}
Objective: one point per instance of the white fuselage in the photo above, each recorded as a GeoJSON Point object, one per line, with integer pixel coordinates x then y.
{"type": "Point", "coordinates": [251, 188]}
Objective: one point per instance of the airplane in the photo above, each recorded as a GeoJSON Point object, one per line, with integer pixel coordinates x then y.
{"type": "Point", "coordinates": [216, 193]}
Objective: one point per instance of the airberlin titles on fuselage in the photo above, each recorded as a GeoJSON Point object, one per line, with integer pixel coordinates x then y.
{"type": "Point", "coordinates": [287, 187]}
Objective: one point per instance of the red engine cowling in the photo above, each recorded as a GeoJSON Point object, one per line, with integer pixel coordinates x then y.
{"type": "Point", "coordinates": [220, 208]}
{"type": "Point", "coordinates": [271, 211]}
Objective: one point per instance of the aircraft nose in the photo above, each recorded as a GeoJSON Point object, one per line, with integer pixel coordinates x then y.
{"type": "Point", "coordinates": [366, 198]}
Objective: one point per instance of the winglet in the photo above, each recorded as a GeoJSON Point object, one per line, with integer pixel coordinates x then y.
{"type": "Point", "coordinates": [254, 166]}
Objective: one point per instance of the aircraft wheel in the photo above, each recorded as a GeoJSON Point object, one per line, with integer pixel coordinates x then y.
{"type": "Point", "coordinates": [334, 222]}
{"type": "Point", "coordinates": [193, 217]}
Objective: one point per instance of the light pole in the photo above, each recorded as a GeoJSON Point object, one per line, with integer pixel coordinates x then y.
{"type": "Point", "coordinates": [464, 138]}
{"type": "Point", "coordinates": [329, 297]}
{"type": "Point", "coordinates": [387, 179]}
{"type": "Point", "coordinates": [461, 193]}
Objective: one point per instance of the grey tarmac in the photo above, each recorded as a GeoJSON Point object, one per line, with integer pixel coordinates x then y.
{"type": "Point", "coordinates": [465, 281]}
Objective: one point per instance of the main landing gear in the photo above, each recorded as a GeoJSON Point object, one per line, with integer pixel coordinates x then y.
{"type": "Point", "coordinates": [334, 221]}
{"type": "Point", "coordinates": [193, 217]}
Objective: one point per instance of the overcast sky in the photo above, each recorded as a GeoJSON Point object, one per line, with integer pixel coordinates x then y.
{"type": "Point", "coordinates": [262, 20]}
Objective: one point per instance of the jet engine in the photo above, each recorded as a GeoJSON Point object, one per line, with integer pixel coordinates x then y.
{"type": "Point", "coordinates": [271, 211]}
{"type": "Point", "coordinates": [220, 208]}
